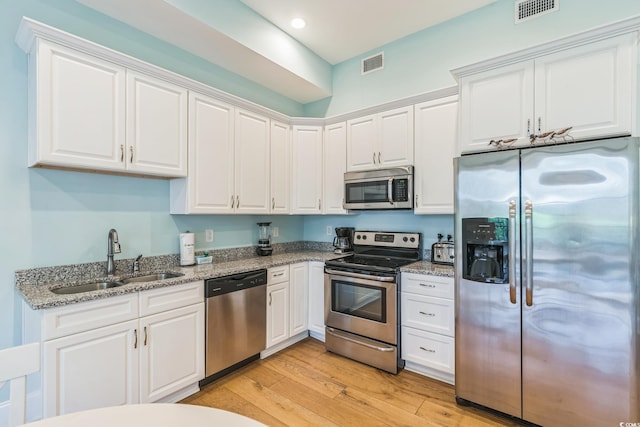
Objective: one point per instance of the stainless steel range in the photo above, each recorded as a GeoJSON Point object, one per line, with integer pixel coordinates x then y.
{"type": "Point", "coordinates": [361, 297]}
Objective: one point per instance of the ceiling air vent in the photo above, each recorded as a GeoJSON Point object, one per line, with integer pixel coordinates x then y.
{"type": "Point", "coordinates": [528, 9]}
{"type": "Point", "coordinates": [373, 63]}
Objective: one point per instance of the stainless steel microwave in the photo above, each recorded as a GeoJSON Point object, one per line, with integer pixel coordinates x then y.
{"type": "Point", "coordinates": [390, 188]}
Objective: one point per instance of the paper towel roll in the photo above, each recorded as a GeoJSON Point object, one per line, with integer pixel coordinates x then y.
{"type": "Point", "coordinates": [187, 248]}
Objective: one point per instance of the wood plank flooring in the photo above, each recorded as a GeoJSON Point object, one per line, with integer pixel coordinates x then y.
{"type": "Point", "coordinates": [304, 385]}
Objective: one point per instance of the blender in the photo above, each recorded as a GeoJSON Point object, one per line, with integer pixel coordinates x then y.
{"type": "Point", "coordinates": [264, 239]}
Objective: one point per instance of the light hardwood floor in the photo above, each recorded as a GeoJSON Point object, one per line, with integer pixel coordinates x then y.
{"type": "Point", "coordinates": [304, 385]}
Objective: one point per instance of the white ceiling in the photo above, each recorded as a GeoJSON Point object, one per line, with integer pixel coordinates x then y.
{"type": "Point", "coordinates": [338, 30]}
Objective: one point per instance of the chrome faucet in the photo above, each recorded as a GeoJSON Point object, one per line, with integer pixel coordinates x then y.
{"type": "Point", "coordinates": [113, 247]}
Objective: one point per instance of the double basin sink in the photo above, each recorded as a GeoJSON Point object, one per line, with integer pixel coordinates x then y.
{"type": "Point", "coordinates": [107, 284]}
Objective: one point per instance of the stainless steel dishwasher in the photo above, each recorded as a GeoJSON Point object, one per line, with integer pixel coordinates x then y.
{"type": "Point", "coordinates": [236, 322]}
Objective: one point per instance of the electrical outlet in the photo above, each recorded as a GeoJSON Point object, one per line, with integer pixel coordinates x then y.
{"type": "Point", "coordinates": [275, 231]}
{"type": "Point", "coordinates": [208, 235]}
{"type": "Point", "coordinates": [329, 230]}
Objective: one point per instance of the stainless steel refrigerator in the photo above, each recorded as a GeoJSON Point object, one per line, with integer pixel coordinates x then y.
{"type": "Point", "coordinates": [547, 274]}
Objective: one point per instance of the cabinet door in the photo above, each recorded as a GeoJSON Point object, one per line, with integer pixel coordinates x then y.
{"type": "Point", "coordinates": [395, 141]}
{"type": "Point", "coordinates": [156, 126]}
{"type": "Point", "coordinates": [210, 184]}
{"type": "Point", "coordinates": [298, 298]}
{"type": "Point", "coordinates": [91, 369]}
{"type": "Point", "coordinates": [496, 104]}
{"type": "Point", "coordinates": [316, 299]}
{"type": "Point", "coordinates": [280, 167]}
{"type": "Point", "coordinates": [436, 126]}
{"type": "Point", "coordinates": [277, 313]}
{"type": "Point", "coordinates": [362, 135]}
{"type": "Point", "coordinates": [306, 169]}
{"type": "Point", "coordinates": [589, 87]}
{"type": "Point", "coordinates": [335, 165]}
{"type": "Point", "coordinates": [171, 351]}
{"type": "Point", "coordinates": [252, 162]}
{"type": "Point", "coordinates": [77, 110]}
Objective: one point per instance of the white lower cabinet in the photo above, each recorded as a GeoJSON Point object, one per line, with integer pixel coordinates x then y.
{"type": "Point", "coordinates": [316, 300]}
{"type": "Point", "coordinates": [287, 306]}
{"type": "Point", "coordinates": [428, 325]}
{"type": "Point", "coordinates": [134, 348]}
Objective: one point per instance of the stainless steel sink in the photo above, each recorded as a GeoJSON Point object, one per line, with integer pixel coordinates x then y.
{"type": "Point", "coordinates": [152, 277]}
{"type": "Point", "coordinates": [95, 286]}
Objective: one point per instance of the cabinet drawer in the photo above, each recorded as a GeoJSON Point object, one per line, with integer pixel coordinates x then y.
{"type": "Point", "coordinates": [84, 316]}
{"type": "Point", "coordinates": [278, 275]}
{"type": "Point", "coordinates": [163, 299]}
{"type": "Point", "coordinates": [428, 313]}
{"type": "Point", "coordinates": [431, 350]}
{"type": "Point", "coordinates": [434, 286]}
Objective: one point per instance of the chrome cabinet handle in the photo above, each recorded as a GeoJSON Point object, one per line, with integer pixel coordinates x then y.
{"type": "Point", "coordinates": [237, 202]}
{"type": "Point", "coordinates": [512, 252]}
{"type": "Point", "coordinates": [379, 162]}
{"type": "Point", "coordinates": [121, 153]}
{"type": "Point", "coordinates": [539, 124]}
{"type": "Point", "coordinates": [319, 204]}
{"type": "Point", "coordinates": [390, 190]}
{"type": "Point", "coordinates": [427, 349]}
{"type": "Point", "coordinates": [273, 203]}
{"type": "Point", "coordinates": [528, 214]}
{"type": "Point", "coordinates": [427, 314]}
{"type": "Point", "coordinates": [135, 338]}
{"type": "Point", "coordinates": [428, 285]}
{"type": "Point", "coordinates": [528, 127]}
{"type": "Point", "coordinates": [416, 200]}
{"type": "Point", "coordinates": [145, 335]}
{"type": "Point", "coordinates": [270, 299]}
{"type": "Point", "coordinates": [233, 202]}
{"type": "Point", "coordinates": [278, 274]}
{"type": "Point", "coordinates": [131, 157]}
{"type": "Point", "coordinates": [374, 157]}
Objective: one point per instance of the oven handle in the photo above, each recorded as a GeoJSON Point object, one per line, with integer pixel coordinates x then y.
{"type": "Point", "coordinates": [390, 190]}
{"type": "Point", "coordinates": [359, 276]}
{"type": "Point", "coordinates": [373, 347]}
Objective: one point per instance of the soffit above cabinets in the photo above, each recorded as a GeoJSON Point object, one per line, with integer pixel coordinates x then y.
{"type": "Point", "coordinates": [252, 38]}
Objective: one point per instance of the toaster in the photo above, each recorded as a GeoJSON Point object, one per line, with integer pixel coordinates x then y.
{"type": "Point", "coordinates": [443, 252]}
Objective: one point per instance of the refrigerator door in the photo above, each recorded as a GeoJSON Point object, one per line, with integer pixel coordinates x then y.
{"type": "Point", "coordinates": [487, 322]}
{"type": "Point", "coordinates": [580, 311]}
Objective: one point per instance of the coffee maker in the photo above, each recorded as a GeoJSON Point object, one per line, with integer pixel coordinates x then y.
{"type": "Point", "coordinates": [343, 241]}
{"type": "Point", "coordinates": [485, 255]}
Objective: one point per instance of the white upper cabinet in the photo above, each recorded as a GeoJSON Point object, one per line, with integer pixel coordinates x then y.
{"type": "Point", "coordinates": [280, 167]}
{"type": "Point", "coordinates": [436, 124]}
{"type": "Point", "coordinates": [76, 110]}
{"type": "Point", "coordinates": [156, 126]}
{"type": "Point", "coordinates": [88, 113]}
{"type": "Point", "coordinates": [589, 87]}
{"type": "Point", "coordinates": [335, 165]}
{"type": "Point", "coordinates": [306, 167]}
{"type": "Point", "coordinates": [252, 163]}
{"type": "Point", "coordinates": [380, 140]}
{"type": "Point", "coordinates": [209, 185]}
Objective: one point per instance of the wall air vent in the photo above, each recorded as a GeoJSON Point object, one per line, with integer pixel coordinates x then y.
{"type": "Point", "coordinates": [529, 9]}
{"type": "Point", "coordinates": [373, 63]}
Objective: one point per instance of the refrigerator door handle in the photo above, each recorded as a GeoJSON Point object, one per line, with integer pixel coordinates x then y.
{"type": "Point", "coordinates": [512, 252]}
{"type": "Point", "coordinates": [528, 219]}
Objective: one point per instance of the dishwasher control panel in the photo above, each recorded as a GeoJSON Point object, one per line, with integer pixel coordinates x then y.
{"type": "Point", "coordinates": [224, 285]}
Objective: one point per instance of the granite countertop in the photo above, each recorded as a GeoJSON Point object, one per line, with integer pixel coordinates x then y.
{"type": "Point", "coordinates": [429, 268]}
{"type": "Point", "coordinates": [39, 296]}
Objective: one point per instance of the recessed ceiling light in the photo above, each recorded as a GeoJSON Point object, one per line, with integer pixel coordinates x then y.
{"type": "Point", "coordinates": [298, 23]}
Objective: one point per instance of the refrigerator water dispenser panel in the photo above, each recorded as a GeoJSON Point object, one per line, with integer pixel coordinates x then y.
{"type": "Point", "coordinates": [486, 249]}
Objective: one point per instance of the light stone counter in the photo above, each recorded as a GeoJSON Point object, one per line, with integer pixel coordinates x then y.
{"type": "Point", "coordinates": [36, 290]}
{"type": "Point", "coordinates": [428, 268]}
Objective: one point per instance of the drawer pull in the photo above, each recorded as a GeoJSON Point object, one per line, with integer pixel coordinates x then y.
{"type": "Point", "coordinates": [279, 274]}
{"type": "Point", "coordinates": [427, 314]}
{"type": "Point", "coordinates": [428, 285]}
{"type": "Point", "coordinates": [427, 350]}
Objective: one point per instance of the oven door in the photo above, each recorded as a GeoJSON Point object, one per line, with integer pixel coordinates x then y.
{"type": "Point", "coordinates": [361, 304]}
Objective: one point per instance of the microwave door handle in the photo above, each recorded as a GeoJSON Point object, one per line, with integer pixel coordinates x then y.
{"type": "Point", "coordinates": [390, 190]}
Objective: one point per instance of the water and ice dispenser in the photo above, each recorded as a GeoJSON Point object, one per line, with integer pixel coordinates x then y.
{"type": "Point", "coordinates": [485, 250]}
